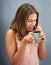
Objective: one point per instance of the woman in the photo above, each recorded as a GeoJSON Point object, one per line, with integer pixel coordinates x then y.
{"type": "Point", "coordinates": [20, 44]}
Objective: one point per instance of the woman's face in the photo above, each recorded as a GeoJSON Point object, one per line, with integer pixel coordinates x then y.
{"type": "Point", "coordinates": [30, 23]}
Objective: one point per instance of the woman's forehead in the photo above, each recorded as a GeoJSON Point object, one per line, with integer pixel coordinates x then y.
{"type": "Point", "coordinates": [32, 16]}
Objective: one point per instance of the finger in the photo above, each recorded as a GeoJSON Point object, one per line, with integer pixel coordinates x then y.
{"type": "Point", "coordinates": [33, 42]}
{"type": "Point", "coordinates": [42, 35]}
{"type": "Point", "coordinates": [42, 38]}
{"type": "Point", "coordinates": [30, 33]}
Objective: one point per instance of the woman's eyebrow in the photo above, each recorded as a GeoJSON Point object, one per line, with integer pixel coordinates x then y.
{"type": "Point", "coordinates": [32, 19]}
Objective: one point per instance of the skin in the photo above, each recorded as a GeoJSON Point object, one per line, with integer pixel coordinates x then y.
{"type": "Point", "coordinates": [15, 54]}
{"type": "Point", "coordinates": [31, 22]}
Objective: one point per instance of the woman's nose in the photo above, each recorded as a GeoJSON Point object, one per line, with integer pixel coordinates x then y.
{"type": "Point", "coordinates": [33, 23]}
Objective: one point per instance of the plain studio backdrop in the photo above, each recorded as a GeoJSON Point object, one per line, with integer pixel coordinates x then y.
{"type": "Point", "coordinates": [8, 9]}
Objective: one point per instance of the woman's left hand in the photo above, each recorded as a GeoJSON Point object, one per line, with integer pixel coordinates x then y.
{"type": "Point", "coordinates": [42, 36]}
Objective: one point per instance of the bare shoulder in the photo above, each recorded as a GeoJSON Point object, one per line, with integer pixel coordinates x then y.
{"type": "Point", "coordinates": [10, 32]}
{"type": "Point", "coordinates": [10, 35]}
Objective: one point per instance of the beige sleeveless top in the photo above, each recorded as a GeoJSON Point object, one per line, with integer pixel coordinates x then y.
{"type": "Point", "coordinates": [30, 56]}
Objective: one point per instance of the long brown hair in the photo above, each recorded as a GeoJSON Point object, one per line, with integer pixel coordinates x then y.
{"type": "Point", "coordinates": [18, 23]}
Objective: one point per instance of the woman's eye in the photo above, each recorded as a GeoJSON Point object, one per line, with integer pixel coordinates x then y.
{"type": "Point", "coordinates": [32, 20]}
{"type": "Point", "coordinates": [29, 21]}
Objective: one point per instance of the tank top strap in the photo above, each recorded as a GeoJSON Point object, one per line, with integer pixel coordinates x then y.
{"type": "Point", "coordinates": [17, 42]}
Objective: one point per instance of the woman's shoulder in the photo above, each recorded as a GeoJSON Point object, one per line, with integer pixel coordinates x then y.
{"type": "Point", "coordinates": [10, 33]}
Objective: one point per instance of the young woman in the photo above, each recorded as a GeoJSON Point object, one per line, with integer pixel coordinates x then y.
{"type": "Point", "coordinates": [20, 44]}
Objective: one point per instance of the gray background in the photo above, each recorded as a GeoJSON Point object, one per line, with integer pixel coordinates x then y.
{"type": "Point", "coordinates": [7, 11]}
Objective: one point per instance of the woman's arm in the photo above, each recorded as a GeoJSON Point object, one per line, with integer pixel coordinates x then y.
{"type": "Point", "coordinates": [42, 48]}
{"type": "Point", "coordinates": [42, 51]}
{"type": "Point", "coordinates": [13, 54]}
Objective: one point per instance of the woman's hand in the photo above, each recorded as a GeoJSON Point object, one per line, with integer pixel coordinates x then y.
{"type": "Point", "coordinates": [28, 38]}
{"type": "Point", "coordinates": [42, 49]}
{"type": "Point", "coordinates": [42, 36]}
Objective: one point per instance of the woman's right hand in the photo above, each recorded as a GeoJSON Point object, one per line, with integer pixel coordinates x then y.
{"type": "Point", "coordinates": [28, 39]}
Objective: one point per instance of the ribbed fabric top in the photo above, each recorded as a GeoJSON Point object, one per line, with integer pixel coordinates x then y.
{"type": "Point", "coordinates": [30, 56]}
